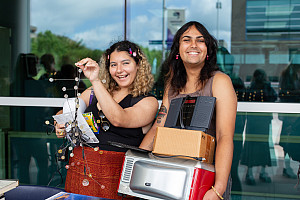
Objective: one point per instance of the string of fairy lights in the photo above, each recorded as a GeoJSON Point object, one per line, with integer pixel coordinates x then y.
{"type": "Point", "coordinates": [74, 137]}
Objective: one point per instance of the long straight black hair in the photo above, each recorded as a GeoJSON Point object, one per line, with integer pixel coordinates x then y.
{"type": "Point", "coordinates": [177, 75]}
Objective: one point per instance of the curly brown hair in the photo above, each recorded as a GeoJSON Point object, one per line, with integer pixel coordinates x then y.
{"type": "Point", "coordinates": [143, 81]}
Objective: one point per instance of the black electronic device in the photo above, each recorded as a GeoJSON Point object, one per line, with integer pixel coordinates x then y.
{"type": "Point", "coordinates": [127, 146]}
{"type": "Point", "coordinates": [193, 113]}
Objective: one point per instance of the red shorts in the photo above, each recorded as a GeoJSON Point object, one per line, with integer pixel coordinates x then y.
{"type": "Point", "coordinates": [99, 171]}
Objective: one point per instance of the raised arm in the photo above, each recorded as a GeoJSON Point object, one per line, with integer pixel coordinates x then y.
{"type": "Point", "coordinates": [139, 115]}
{"type": "Point", "coordinates": [226, 105]}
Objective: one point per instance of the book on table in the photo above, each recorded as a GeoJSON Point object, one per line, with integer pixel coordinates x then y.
{"type": "Point", "coordinates": [72, 196]}
{"type": "Point", "coordinates": [7, 185]}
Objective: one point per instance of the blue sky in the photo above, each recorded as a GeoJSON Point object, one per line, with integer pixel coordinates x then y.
{"type": "Point", "coordinates": [99, 22]}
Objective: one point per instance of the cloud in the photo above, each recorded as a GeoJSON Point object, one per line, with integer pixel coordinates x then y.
{"type": "Point", "coordinates": [64, 17]}
{"type": "Point", "coordinates": [144, 28]}
{"type": "Point", "coordinates": [100, 37]}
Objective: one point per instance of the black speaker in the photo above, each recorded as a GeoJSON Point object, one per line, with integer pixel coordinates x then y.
{"type": "Point", "coordinates": [173, 112]}
{"type": "Point", "coordinates": [193, 113]}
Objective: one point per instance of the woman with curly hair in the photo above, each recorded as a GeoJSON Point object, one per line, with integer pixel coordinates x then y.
{"type": "Point", "coordinates": [193, 71]}
{"type": "Point", "coordinates": [124, 109]}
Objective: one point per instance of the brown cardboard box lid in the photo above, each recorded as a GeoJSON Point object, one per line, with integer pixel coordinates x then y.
{"type": "Point", "coordinates": [193, 143]}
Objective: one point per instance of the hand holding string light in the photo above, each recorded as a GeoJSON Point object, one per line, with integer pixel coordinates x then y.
{"type": "Point", "coordinates": [70, 130]}
{"type": "Point", "coordinates": [90, 68]}
{"type": "Point", "coordinates": [60, 128]}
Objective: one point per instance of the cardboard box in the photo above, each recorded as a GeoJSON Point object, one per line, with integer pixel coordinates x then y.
{"type": "Point", "coordinates": [173, 141]}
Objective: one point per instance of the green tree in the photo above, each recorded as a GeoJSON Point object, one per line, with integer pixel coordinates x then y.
{"type": "Point", "coordinates": [64, 49]}
{"type": "Point", "coordinates": [68, 51]}
{"type": "Point", "coordinates": [151, 56]}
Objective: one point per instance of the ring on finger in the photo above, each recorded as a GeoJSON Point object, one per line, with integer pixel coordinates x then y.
{"type": "Point", "coordinates": [61, 133]}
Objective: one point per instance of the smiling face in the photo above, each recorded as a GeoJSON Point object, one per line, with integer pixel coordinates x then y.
{"type": "Point", "coordinates": [192, 47]}
{"type": "Point", "coordinates": [122, 68]}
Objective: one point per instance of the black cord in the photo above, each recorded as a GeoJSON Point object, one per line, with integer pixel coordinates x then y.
{"type": "Point", "coordinates": [65, 146]}
{"type": "Point", "coordinates": [175, 156]}
{"type": "Point", "coordinates": [57, 171]}
{"type": "Point", "coordinates": [84, 168]}
{"type": "Point", "coordinates": [51, 131]}
{"type": "Point", "coordinates": [48, 125]}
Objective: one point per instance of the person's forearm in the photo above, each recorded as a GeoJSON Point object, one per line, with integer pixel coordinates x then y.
{"type": "Point", "coordinates": [223, 160]}
{"type": "Point", "coordinates": [113, 111]}
{"type": "Point", "coordinates": [148, 140]}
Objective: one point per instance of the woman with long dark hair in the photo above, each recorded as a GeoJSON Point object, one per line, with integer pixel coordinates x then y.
{"type": "Point", "coordinates": [193, 71]}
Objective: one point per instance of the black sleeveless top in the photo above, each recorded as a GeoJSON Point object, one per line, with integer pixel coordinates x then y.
{"type": "Point", "coordinates": [130, 136]}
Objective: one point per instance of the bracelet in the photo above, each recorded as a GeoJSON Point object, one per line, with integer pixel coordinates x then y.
{"type": "Point", "coordinates": [218, 194]}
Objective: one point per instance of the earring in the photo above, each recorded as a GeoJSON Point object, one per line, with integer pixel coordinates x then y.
{"type": "Point", "coordinates": [177, 57]}
{"type": "Point", "coordinates": [207, 57]}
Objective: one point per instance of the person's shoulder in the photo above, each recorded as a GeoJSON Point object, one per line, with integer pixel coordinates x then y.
{"type": "Point", "coordinates": [142, 96]}
{"type": "Point", "coordinates": [218, 72]}
{"type": "Point", "coordinates": [147, 96]}
{"type": "Point", "coordinates": [221, 76]}
{"type": "Point", "coordinates": [150, 97]}
{"type": "Point", "coordinates": [222, 81]}
{"type": "Point", "coordinates": [223, 88]}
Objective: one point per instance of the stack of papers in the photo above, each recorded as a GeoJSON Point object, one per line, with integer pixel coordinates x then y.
{"type": "Point", "coordinates": [82, 124]}
{"type": "Point", "coordinates": [7, 185]}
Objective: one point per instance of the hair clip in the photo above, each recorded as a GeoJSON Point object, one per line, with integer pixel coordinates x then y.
{"type": "Point", "coordinates": [130, 51]}
{"type": "Point", "coordinates": [108, 57]}
{"type": "Point", "coordinates": [177, 57]}
{"type": "Point", "coordinates": [134, 54]}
